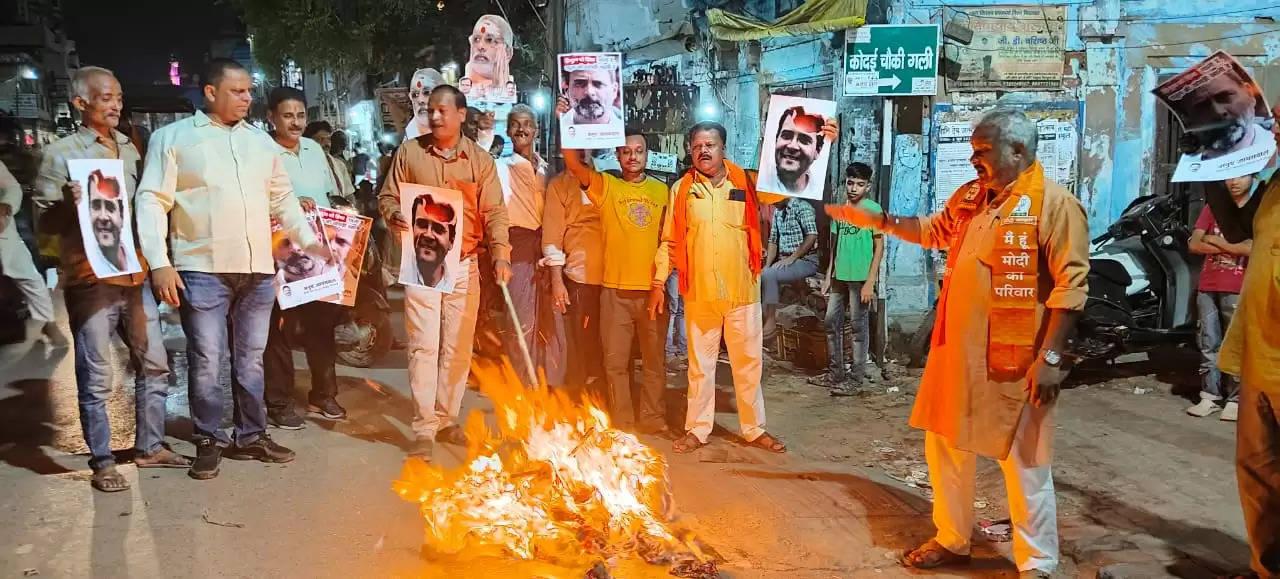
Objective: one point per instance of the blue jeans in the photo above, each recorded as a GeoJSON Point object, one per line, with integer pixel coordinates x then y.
{"type": "Point", "coordinates": [846, 293]}
{"type": "Point", "coordinates": [1216, 310]}
{"type": "Point", "coordinates": [777, 274]}
{"type": "Point", "coordinates": [677, 339]}
{"type": "Point", "coordinates": [216, 307]}
{"type": "Point", "coordinates": [97, 311]}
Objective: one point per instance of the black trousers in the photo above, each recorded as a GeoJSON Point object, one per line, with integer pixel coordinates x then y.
{"type": "Point", "coordinates": [311, 327]}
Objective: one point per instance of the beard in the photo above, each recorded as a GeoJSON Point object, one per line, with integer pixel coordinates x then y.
{"type": "Point", "coordinates": [589, 110]}
{"type": "Point", "coordinates": [1222, 139]}
{"type": "Point", "coordinates": [299, 266]}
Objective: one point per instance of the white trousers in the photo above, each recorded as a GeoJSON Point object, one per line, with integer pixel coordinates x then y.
{"type": "Point", "coordinates": [740, 325]}
{"type": "Point", "coordinates": [441, 328]}
{"type": "Point", "coordinates": [1033, 509]}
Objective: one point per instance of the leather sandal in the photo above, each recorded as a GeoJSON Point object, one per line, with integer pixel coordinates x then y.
{"type": "Point", "coordinates": [932, 555]}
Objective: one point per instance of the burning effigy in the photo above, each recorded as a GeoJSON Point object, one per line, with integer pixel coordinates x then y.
{"type": "Point", "coordinates": [555, 483]}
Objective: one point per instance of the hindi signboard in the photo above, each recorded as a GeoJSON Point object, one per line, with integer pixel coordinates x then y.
{"type": "Point", "coordinates": [889, 60]}
{"type": "Point", "coordinates": [1013, 48]}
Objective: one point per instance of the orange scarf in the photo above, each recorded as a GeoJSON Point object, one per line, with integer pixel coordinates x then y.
{"type": "Point", "coordinates": [680, 252]}
{"type": "Point", "coordinates": [1015, 263]}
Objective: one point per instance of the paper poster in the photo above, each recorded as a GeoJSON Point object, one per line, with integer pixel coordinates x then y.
{"type": "Point", "coordinates": [395, 108]}
{"type": "Point", "coordinates": [592, 81]}
{"type": "Point", "coordinates": [793, 158]}
{"type": "Point", "coordinates": [488, 73]}
{"type": "Point", "coordinates": [1057, 148]}
{"type": "Point", "coordinates": [302, 277]}
{"type": "Point", "coordinates": [348, 235]}
{"type": "Point", "coordinates": [432, 248]}
{"type": "Point", "coordinates": [106, 224]}
{"type": "Point", "coordinates": [1013, 48]}
{"type": "Point", "coordinates": [1221, 106]}
{"type": "Point", "coordinates": [420, 86]}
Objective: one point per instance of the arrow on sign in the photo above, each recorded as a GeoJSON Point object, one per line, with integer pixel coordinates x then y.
{"type": "Point", "coordinates": [890, 82]}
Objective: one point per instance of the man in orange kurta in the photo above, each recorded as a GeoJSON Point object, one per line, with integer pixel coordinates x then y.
{"type": "Point", "coordinates": [1016, 281]}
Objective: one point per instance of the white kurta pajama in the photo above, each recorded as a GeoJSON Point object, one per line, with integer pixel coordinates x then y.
{"type": "Point", "coordinates": [968, 412]}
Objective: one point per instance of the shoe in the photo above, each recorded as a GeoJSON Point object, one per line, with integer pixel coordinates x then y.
{"type": "Point", "coordinates": [285, 419]}
{"type": "Point", "coordinates": [1230, 412]}
{"type": "Point", "coordinates": [329, 409]}
{"type": "Point", "coordinates": [208, 455]}
{"type": "Point", "coordinates": [846, 388]}
{"type": "Point", "coordinates": [1034, 574]}
{"type": "Point", "coordinates": [423, 448]}
{"type": "Point", "coordinates": [452, 435]}
{"type": "Point", "coordinates": [263, 449]}
{"type": "Point", "coordinates": [1204, 408]}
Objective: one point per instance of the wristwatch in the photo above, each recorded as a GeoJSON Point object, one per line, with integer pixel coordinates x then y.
{"type": "Point", "coordinates": [1053, 358]}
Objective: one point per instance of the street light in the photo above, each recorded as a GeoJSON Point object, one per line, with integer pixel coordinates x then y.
{"type": "Point", "coordinates": [540, 100]}
{"type": "Point", "coordinates": [29, 73]}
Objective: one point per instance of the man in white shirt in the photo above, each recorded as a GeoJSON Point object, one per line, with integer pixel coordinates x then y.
{"type": "Point", "coordinates": [212, 184]}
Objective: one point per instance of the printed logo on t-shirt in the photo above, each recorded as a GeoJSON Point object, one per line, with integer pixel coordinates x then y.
{"type": "Point", "coordinates": [639, 212]}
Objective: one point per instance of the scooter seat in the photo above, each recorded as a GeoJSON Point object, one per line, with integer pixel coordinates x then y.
{"type": "Point", "coordinates": [1111, 271]}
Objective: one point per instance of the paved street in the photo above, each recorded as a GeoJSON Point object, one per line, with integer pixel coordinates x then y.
{"type": "Point", "coordinates": [1140, 483]}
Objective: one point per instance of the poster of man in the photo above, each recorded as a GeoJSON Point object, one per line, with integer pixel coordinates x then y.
{"type": "Point", "coordinates": [592, 83]}
{"type": "Point", "coordinates": [420, 86]}
{"type": "Point", "coordinates": [432, 248]}
{"type": "Point", "coordinates": [1225, 116]}
{"type": "Point", "coordinates": [348, 235]}
{"type": "Point", "coordinates": [488, 72]}
{"type": "Point", "coordinates": [106, 224]}
{"type": "Point", "coordinates": [302, 277]}
{"type": "Point", "coordinates": [793, 160]}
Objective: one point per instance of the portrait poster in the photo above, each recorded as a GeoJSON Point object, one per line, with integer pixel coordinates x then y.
{"type": "Point", "coordinates": [487, 76]}
{"type": "Point", "coordinates": [395, 109]}
{"type": "Point", "coordinates": [431, 250]}
{"type": "Point", "coordinates": [1013, 48]}
{"type": "Point", "coordinates": [348, 236]}
{"type": "Point", "coordinates": [424, 81]}
{"type": "Point", "coordinates": [106, 220]}
{"type": "Point", "coordinates": [1219, 104]}
{"type": "Point", "coordinates": [592, 82]}
{"type": "Point", "coordinates": [794, 156]}
{"type": "Point", "coordinates": [302, 277]}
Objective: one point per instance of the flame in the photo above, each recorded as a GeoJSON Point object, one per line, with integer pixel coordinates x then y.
{"type": "Point", "coordinates": [555, 483]}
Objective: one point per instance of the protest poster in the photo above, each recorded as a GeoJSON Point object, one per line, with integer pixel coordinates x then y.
{"type": "Point", "coordinates": [106, 223]}
{"type": "Point", "coordinates": [793, 158]}
{"type": "Point", "coordinates": [592, 82]}
{"type": "Point", "coordinates": [302, 277]}
{"type": "Point", "coordinates": [1219, 104]}
{"type": "Point", "coordinates": [348, 235]}
{"type": "Point", "coordinates": [420, 86]}
{"type": "Point", "coordinates": [431, 250]}
{"type": "Point", "coordinates": [487, 77]}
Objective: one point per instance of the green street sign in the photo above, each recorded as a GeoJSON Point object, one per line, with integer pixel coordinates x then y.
{"type": "Point", "coordinates": [891, 60]}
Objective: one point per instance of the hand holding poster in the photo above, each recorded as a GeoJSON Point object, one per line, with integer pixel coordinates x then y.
{"type": "Point", "coordinates": [105, 221]}
{"type": "Point", "coordinates": [430, 251]}
{"type": "Point", "coordinates": [348, 235]}
{"type": "Point", "coordinates": [592, 83]}
{"type": "Point", "coordinates": [793, 160]}
{"type": "Point", "coordinates": [1225, 112]}
{"type": "Point", "coordinates": [302, 277]}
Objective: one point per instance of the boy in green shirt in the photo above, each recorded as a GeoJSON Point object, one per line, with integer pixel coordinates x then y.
{"type": "Point", "coordinates": [851, 282]}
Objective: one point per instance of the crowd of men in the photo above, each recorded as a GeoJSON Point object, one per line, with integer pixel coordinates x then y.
{"type": "Point", "coordinates": [596, 261]}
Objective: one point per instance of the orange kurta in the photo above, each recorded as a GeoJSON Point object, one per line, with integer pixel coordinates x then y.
{"type": "Point", "coordinates": [958, 398]}
{"type": "Point", "coordinates": [1251, 349]}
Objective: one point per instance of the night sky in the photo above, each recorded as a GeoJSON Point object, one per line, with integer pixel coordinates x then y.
{"type": "Point", "coordinates": [134, 38]}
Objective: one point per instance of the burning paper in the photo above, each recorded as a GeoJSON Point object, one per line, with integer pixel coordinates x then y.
{"type": "Point", "coordinates": [555, 483]}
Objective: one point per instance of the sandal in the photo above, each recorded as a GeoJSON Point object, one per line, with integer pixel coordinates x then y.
{"type": "Point", "coordinates": [931, 555]}
{"type": "Point", "coordinates": [768, 442]}
{"type": "Point", "coordinates": [163, 458]}
{"type": "Point", "coordinates": [686, 444]}
{"type": "Point", "coordinates": [452, 435]}
{"type": "Point", "coordinates": [109, 480]}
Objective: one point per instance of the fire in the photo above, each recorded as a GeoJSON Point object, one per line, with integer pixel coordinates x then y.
{"type": "Point", "coordinates": [555, 483]}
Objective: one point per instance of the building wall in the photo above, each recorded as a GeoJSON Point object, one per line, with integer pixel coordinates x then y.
{"type": "Point", "coordinates": [1117, 51]}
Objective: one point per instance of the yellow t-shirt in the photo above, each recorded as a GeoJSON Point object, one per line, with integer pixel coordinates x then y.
{"type": "Point", "coordinates": [631, 217]}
